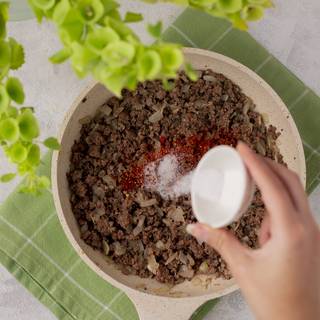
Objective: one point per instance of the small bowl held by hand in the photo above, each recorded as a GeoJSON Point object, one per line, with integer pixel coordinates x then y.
{"type": "Point", "coordinates": [221, 188]}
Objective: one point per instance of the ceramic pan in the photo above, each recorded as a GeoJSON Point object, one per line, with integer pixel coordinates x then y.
{"type": "Point", "coordinates": [156, 301]}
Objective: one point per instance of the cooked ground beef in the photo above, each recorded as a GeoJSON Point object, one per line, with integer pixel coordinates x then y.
{"type": "Point", "coordinates": [141, 232]}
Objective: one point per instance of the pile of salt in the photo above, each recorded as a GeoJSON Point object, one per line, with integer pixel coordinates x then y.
{"type": "Point", "coordinates": [163, 176]}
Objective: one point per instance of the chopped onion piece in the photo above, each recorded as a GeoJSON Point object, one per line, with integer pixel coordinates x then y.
{"type": "Point", "coordinates": [139, 226]}
{"type": "Point", "coordinates": [191, 260]}
{"type": "Point", "coordinates": [156, 117]}
{"type": "Point", "coordinates": [186, 272]}
{"type": "Point", "coordinates": [153, 265]}
{"type": "Point", "coordinates": [106, 248]}
{"type": "Point", "coordinates": [160, 245]}
{"type": "Point", "coordinates": [171, 258]}
{"type": "Point", "coordinates": [119, 250]}
{"type": "Point", "coordinates": [183, 258]}
{"type": "Point", "coordinates": [111, 183]}
{"type": "Point", "coordinates": [204, 267]}
{"type": "Point", "coordinates": [147, 203]}
{"type": "Point", "coordinates": [176, 214]}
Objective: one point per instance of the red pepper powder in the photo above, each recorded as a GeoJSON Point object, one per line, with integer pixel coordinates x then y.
{"type": "Point", "coordinates": [189, 151]}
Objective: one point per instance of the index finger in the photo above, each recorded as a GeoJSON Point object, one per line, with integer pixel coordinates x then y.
{"type": "Point", "coordinates": [293, 184]}
{"type": "Point", "coordinates": [274, 193]}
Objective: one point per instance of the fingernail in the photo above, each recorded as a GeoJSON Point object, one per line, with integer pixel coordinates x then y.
{"type": "Point", "coordinates": [199, 231]}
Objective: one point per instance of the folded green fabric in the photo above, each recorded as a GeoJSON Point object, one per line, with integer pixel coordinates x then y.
{"type": "Point", "coordinates": [33, 246]}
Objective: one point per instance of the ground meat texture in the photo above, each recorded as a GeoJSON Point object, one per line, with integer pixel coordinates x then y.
{"type": "Point", "coordinates": [135, 227]}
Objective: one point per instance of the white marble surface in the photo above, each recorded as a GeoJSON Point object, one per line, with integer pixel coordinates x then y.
{"type": "Point", "coordinates": [290, 32]}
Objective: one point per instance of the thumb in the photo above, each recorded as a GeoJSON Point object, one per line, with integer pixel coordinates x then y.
{"type": "Point", "coordinates": [233, 252]}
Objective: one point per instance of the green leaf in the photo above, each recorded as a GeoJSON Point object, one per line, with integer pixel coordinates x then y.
{"type": "Point", "coordinates": [7, 177]}
{"type": "Point", "coordinates": [252, 13]}
{"type": "Point", "coordinates": [262, 3]}
{"type": "Point", "coordinates": [30, 109]}
{"type": "Point", "coordinates": [83, 59]}
{"type": "Point", "coordinates": [9, 130]}
{"type": "Point", "coordinates": [90, 10]}
{"type": "Point", "coordinates": [118, 54]}
{"type": "Point", "coordinates": [43, 4]}
{"type": "Point", "coordinates": [28, 125]}
{"type": "Point", "coordinates": [5, 54]}
{"type": "Point", "coordinates": [268, 4]}
{"type": "Point", "coordinates": [171, 57]}
{"type": "Point", "coordinates": [60, 11]}
{"type": "Point", "coordinates": [33, 157]}
{"type": "Point", "coordinates": [230, 6]}
{"type": "Point", "coordinates": [202, 4]}
{"type": "Point", "coordinates": [133, 17]}
{"type": "Point", "coordinates": [43, 182]}
{"type": "Point", "coordinates": [167, 85]}
{"type": "Point", "coordinates": [52, 143]}
{"type": "Point", "coordinates": [61, 55]}
{"type": "Point", "coordinates": [149, 65]}
{"type": "Point", "coordinates": [155, 29]}
{"type": "Point", "coordinates": [132, 79]}
{"type": "Point", "coordinates": [39, 13]}
{"type": "Point", "coordinates": [237, 21]}
{"type": "Point", "coordinates": [115, 81]}
{"type": "Point", "coordinates": [192, 75]}
{"type": "Point", "coordinates": [24, 168]}
{"type": "Point", "coordinates": [17, 54]}
{"type": "Point", "coordinates": [72, 27]}
{"type": "Point", "coordinates": [109, 5]}
{"type": "Point", "coordinates": [4, 99]}
{"type": "Point", "coordinates": [15, 90]}
{"type": "Point", "coordinates": [118, 26]}
{"type": "Point", "coordinates": [217, 12]}
{"type": "Point", "coordinates": [98, 39]}
{"type": "Point", "coordinates": [3, 30]}
{"type": "Point", "coordinates": [4, 72]}
{"type": "Point", "coordinates": [17, 153]}
{"type": "Point", "coordinates": [4, 10]}
{"type": "Point", "coordinates": [115, 14]}
{"type": "Point", "coordinates": [12, 112]}
{"type": "Point", "coordinates": [34, 184]}
{"type": "Point", "coordinates": [4, 16]}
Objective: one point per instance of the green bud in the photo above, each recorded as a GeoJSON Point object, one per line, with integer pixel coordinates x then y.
{"type": "Point", "coordinates": [118, 54]}
{"type": "Point", "coordinates": [90, 10]}
{"type": "Point", "coordinates": [17, 152]}
{"type": "Point", "coordinates": [9, 130]}
{"type": "Point", "coordinates": [99, 38]}
{"type": "Point", "coordinates": [149, 65]}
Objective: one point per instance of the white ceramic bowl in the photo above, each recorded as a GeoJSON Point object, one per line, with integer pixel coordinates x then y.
{"type": "Point", "coordinates": [236, 187]}
{"type": "Point", "coordinates": [153, 299]}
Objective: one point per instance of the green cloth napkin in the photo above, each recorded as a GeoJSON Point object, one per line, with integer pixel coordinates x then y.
{"type": "Point", "coordinates": [33, 246]}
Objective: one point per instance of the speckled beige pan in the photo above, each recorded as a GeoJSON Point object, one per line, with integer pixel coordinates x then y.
{"type": "Point", "coordinates": [156, 301]}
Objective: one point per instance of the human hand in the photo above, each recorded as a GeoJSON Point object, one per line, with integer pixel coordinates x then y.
{"type": "Point", "coordinates": [281, 279]}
